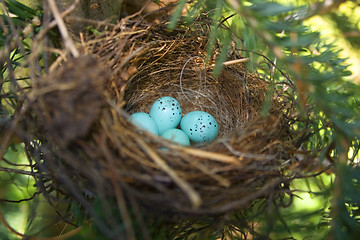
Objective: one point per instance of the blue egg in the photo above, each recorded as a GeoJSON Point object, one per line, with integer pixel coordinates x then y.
{"type": "Point", "coordinates": [166, 112]}
{"type": "Point", "coordinates": [200, 126]}
{"type": "Point", "coordinates": [177, 136]}
{"type": "Point", "coordinates": [145, 122]}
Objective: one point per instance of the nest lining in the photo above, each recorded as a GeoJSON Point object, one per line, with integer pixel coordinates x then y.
{"type": "Point", "coordinates": [136, 64]}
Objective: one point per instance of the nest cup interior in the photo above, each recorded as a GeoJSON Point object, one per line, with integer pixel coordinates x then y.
{"type": "Point", "coordinates": [234, 98]}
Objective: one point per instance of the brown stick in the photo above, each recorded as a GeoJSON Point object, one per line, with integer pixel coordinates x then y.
{"type": "Point", "coordinates": [185, 186]}
{"type": "Point", "coordinates": [69, 43]}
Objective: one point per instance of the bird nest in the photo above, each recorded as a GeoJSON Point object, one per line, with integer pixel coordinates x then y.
{"type": "Point", "coordinates": [87, 148]}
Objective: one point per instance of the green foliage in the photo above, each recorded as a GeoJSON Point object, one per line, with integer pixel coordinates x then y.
{"type": "Point", "coordinates": [20, 10]}
{"type": "Point", "coordinates": [348, 26]}
{"type": "Point", "coordinates": [19, 24]}
{"type": "Point", "coordinates": [16, 17]}
{"type": "Point", "coordinates": [346, 215]}
{"type": "Point", "coordinates": [301, 220]}
{"type": "Point", "coordinates": [270, 9]}
{"type": "Point", "coordinates": [16, 190]}
{"type": "Point", "coordinates": [177, 13]}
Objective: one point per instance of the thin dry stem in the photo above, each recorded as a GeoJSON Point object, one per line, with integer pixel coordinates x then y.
{"type": "Point", "coordinates": [185, 186]}
{"type": "Point", "coordinates": [69, 43]}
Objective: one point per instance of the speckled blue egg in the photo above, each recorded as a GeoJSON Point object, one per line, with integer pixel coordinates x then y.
{"type": "Point", "coordinates": [166, 112]}
{"type": "Point", "coordinates": [200, 126]}
{"type": "Point", "coordinates": [145, 122]}
{"type": "Point", "coordinates": [177, 136]}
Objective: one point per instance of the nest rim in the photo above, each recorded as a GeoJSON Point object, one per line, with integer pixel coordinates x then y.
{"type": "Point", "coordinates": [218, 162]}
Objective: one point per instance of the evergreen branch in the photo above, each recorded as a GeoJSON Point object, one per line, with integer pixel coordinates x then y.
{"type": "Point", "coordinates": [21, 200]}
{"type": "Point", "coordinates": [15, 164]}
{"type": "Point", "coordinates": [17, 171]}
